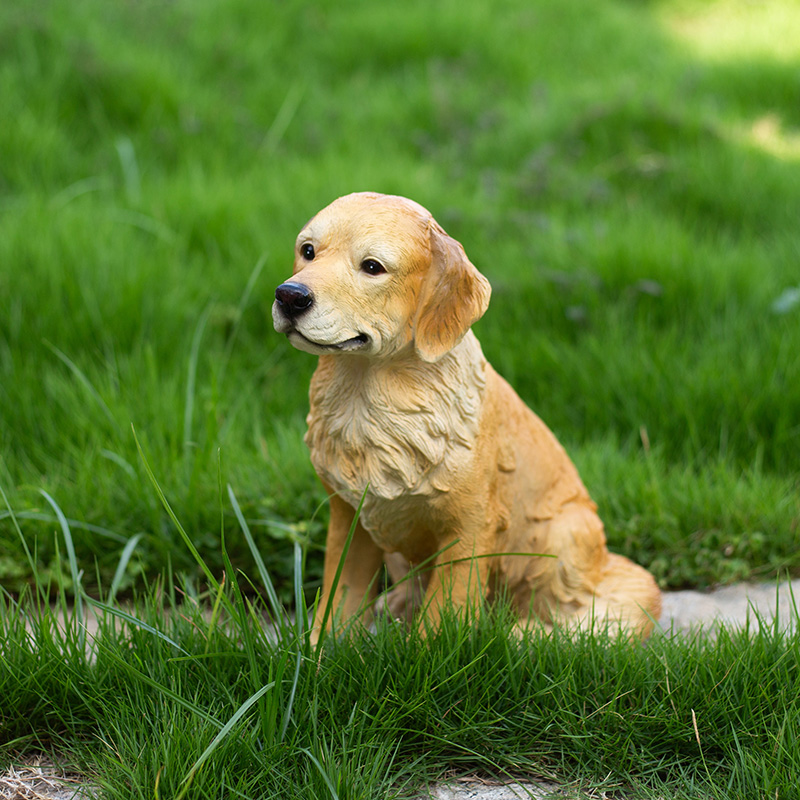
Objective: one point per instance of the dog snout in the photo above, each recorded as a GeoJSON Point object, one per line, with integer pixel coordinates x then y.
{"type": "Point", "coordinates": [293, 299]}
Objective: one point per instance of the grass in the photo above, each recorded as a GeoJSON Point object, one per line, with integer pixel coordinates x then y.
{"type": "Point", "coordinates": [625, 177]}
{"type": "Point", "coordinates": [179, 695]}
{"type": "Point", "coordinates": [626, 174]}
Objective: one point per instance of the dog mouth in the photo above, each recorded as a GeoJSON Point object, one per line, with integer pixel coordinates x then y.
{"type": "Point", "coordinates": [357, 342]}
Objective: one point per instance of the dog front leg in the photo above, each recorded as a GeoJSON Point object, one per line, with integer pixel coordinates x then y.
{"type": "Point", "coordinates": [458, 579]}
{"type": "Point", "coordinates": [357, 586]}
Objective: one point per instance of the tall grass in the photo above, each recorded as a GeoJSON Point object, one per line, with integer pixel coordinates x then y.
{"type": "Point", "coordinates": [183, 695]}
{"type": "Point", "coordinates": [624, 176]}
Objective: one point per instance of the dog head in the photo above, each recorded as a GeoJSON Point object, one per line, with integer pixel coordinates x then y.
{"type": "Point", "coordinates": [374, 274]}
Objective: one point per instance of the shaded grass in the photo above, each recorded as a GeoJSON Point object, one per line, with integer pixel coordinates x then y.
{"type": "Point", "coordinates": [605, 172]}
{"type": "Point", "coordinates": [723, 541]}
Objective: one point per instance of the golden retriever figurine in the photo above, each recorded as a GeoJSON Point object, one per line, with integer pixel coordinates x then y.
{"type": "Point", "coordinates": [457, 474]}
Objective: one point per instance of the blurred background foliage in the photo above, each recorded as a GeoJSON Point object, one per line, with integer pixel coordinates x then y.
{"type": "Point", "coordinates": [626, 174]}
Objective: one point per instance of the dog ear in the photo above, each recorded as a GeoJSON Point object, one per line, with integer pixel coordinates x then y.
{"type": "Point", "coordinates": [454, 295]}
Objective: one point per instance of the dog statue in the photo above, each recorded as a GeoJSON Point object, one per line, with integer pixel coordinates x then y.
{"type": "Point", "coordinates": [459, 478]}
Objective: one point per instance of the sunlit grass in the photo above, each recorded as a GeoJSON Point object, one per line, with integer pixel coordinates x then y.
{"type": "Point", "coordinates": [771, 134]}
{"type": "Point", "coordinates": [737, 29]}
{"type": "Point", "coordinates": [761, 39]}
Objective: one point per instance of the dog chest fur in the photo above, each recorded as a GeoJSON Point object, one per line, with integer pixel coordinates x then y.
{"type": "Point", "coordinates": [402, 430]}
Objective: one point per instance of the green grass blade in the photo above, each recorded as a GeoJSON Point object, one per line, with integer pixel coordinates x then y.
{"type": "Point", "coordinates": [132, 620]}
{"type": "Point", "coordinates": [322, 772]}
{"type": "Point", "coordinates": [191, 377]}
{"type": "Point", "coordinates": [275, 604]}
{"type": "Point", "coordinates": [299, 600]}
{"type": "Point", "coordinates": [119, 461]}
{"type": "Point", "coordinates": [73, 523]}
{"type": "Point", "coordinates": [85, 382]}
{"type": "Point", "coordinates": [110, 652]}
{"type": "Point", "coordinates": [284, 117]}
{"type": "Point", "coordinates": [130, 169]}
{"type": "Point", "coordinates": [243, 300]}
{"type": "Point", "coordinates": [300, 612]}
{"type": "Point", "coordinates": [73, 565]}
{"type": "Point", "coordinates": [226, 729]}
{"type": "Point", "coordinates": [119, 574]}
{"type": "Point", "coordinates": [168, 508]}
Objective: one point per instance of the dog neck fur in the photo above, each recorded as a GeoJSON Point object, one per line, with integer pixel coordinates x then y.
{"type": "Point", "coordinates": [401, 425]}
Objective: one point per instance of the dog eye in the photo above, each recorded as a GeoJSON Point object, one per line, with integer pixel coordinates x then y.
{"type": "Point", "coordinates": [307, 251]}
{"type": "Point", "coordinates": [372, 267]}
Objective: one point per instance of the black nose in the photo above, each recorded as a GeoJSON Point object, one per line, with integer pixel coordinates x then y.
{"type": "Point", "coordinates": [294, 298]}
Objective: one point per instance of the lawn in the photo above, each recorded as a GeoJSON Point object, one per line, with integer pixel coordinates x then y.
{"type": "Point", "coordinates": [627, 175]}
{"type": "Point", "coordinates": [193, 697]}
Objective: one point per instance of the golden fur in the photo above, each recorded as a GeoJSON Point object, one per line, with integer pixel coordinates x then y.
{"type": "Point", "coordinates": [457, 474]}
